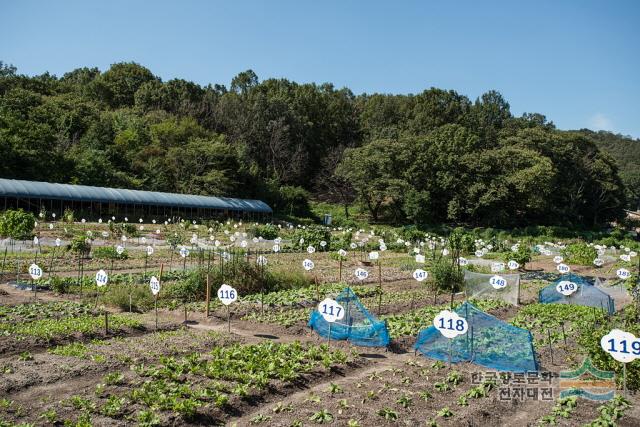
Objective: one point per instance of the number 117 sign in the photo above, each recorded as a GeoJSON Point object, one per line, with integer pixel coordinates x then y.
{"type": "Point", "coordinates": [331, 310]}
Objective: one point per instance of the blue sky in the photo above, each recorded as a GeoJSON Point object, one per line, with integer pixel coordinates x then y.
{"type": "Point", "coordinates": [577, 62]}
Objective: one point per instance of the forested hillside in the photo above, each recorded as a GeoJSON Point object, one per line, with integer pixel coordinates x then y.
{"type": "Point", "coordinates": [626, 152]}
{"type": "Point", "coordinates": [436, 156]}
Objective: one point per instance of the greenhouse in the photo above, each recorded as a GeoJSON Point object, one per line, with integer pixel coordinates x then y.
{"type": "Point", "coordinates": [96, 202]}
{"type": "Point", "coordinates": [358, 325]}
{"type": "Point", "coordinates": [585, 293]}
{"type": "Point", "coordinates": [489, 342]}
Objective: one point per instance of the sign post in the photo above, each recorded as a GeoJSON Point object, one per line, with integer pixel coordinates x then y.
{"type": "Point", "coordinates": [331, 311]}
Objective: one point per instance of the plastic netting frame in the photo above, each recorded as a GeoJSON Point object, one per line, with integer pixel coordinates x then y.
{"type": "Point", "coordinates": [489, 342]}
{"type": "Point", "coordinates": [477, 286]}
{"type": "Point", "coordinates": [590, 294]}
{"type": "Point", "coordinates": [358, 325]}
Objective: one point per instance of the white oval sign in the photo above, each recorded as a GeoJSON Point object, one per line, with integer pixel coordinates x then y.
{"type": "Point", "coordinates": [154, 285]}
{"type": "Point", "coordinates": [308, 264]}
{"type": "Point", "coordinates": [566, 287]}
{"type": "Point", "coordinates": [361, 273]}
{"type": "Point", "coordinates": [463, 261]}
{"type": "Point", "coordinates": [563, 268]}
{"type": "Point", "coordinates": [558, 259]}
{"type": "Point", "coordinates": [625, 257]}
{"type": "Point", "coordinates": [479, 254]}
{"type": "Point", "coordinates": [373, 256]}
{"type": "Point", "coordinates": [184, 252]}
{"type": "Point", "coordinates": [119, 249]}
{"type": "Point", "coordinates": [323, 243]}
{"type": "Point", "coordinates": [149, 250]}
{"type": "Point", "coordinates": [623, 273]}
{"type": "Point", "coordinates": [622, 346]}
{"type": "Point", "coordinates": [450, 324]}
{"type": "Point", "coordinates": [498, 282]}
{"type": "Point", "coordinates": [227, 294]}
{"type": "Point", "coordinates": [58, 241]}
{"type": "Point", "coordinates": [598, 262]}
{"type": "Point", "coordinates": [420, 274]}
{"type": "Point", "coordinates": [35, 272]}
{"type": "Point", "coordinates": [311, 249]}
{"type": "Point", "coordinates": [330, 310]}
{"type": "Point", "coordinates": [102, 278]}
{"type": "Point", "coordinates": [513, 265]}
{"type": "Point", "coordinates": [342, 253]}
{"type": "Point", "coordinates": [420, 259]}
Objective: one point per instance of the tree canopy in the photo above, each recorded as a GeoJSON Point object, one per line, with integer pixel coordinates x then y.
{"type": "Point", "coordinates": [435, 156]}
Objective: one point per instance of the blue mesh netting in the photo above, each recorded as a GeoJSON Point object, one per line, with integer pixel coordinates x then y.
{"type": "Point", "coordinates": [358, 325]}
{"type": "Point", "coordinates": [489, 342]}
{"type": "Point", "coordinates": [586, 294]}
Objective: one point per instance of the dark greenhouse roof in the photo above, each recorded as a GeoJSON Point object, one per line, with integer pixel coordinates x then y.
{"type": "Point", "coordinates": [47, 190]}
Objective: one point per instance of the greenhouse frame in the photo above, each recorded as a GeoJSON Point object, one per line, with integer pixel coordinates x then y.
{"type": "Point", "coordinates": [102, 202]}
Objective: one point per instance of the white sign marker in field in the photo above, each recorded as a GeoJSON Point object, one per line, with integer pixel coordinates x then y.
{"type": "Point", "coordinates": [450, 324]}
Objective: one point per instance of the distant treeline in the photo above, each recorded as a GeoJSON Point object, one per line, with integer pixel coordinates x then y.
{"type": "Point", "coordinates": [426, 158]}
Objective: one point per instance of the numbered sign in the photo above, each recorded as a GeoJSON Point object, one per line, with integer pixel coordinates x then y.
{"type": "Point", "coordinates": [184, 252]}
{"type": "Point", "coordinates": [124, 238]}
{"type": "Point", "coordinates": [154, 285]}
{"type": "Point", "coordinates": [331, 310]}
{"type": "Point", "coordinates": [625, 257]}
{"type": "Point", "coordinates": [622, 346]}
{"type": "Point", "coordinates": [310, 249]}
{"type": "Point", "coordinates": [342, 253]}
{"type": "Point", "coordinates": [149, 250]}
{"type": "Point", "coordinates": [119, 249]}
{"type": "Point", "coordinates": [498, 282]}
{"type": "Point", "coordinates": [58, 241]}
{"type": "Point", "coordinates": [416, 250]}
{"type": "Point", "coordinates": [308, 265]}
{"type": "Point", "coordinates": [513, 265]}
{"type": "Point", "coordinates": [450, 324]}
{"type": "Point", "coordinates": [373, 256]}
{"type": "Point", "coordinates": [563, 268]}
{"type": "Point", "coordinates": [514, 248]}
{"type": "Point", "coordinates": [353, 246]}
{"type": "Point", "coordinates": [420, 275]}
{"type": "Point", "coordinates": [558, 259]}
{"type": "Point", "coordinates": [383, 247]}
{"type": "Point", "coordinates": [35, 272]}
{"type": "Point", "coordinates": [479, 254]}
{"type": "Point", "coordinates": [496, 267]}
{"type": "Point", "coordinates": [323, 243]}
{"type": "Point", "coordinates": [420, 259]}
{"type": "Point", "coordinates": [227, 295]}
{"type": "Point", "coordinates": [633, 254]}
{"type": "Point", "coordinates": [36, 240]}
{"type": "Point", "coordinates": [598, 262]}
{"type": "Point", "coordinates": [102, 278]}
{"type": "Point", "coordinates": [261, 260]}
{"type": "Point", "coordinates": [243, 244]}
{"type": "Point", "coordinates": [361, 273]}
{"type": "Point", "coordinates": [566, 287]}
{"type": "Point", "coordinates": [463, 261]}
{"type": "Point", "coordinates": [276, 248]}
{"type": "Point", "coordinates": [623, 273]}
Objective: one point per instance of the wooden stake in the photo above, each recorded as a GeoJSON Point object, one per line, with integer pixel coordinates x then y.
{"type": "Point", "coordinates": [207, 297]}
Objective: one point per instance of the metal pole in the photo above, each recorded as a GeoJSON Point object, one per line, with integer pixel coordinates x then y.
{"type": "Point", "coordinates": [208, 296]}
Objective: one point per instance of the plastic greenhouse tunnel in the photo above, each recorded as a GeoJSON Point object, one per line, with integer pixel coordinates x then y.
{"type": "Point", "coordinates": [586, 293]}
{"type": "Point", "coordinates": [489, 342]}
{"type": "Point", "coordinates": [358, 325]}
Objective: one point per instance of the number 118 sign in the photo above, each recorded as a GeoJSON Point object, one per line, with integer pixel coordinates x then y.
{"type": "Point", "coordinates": [450, 324]}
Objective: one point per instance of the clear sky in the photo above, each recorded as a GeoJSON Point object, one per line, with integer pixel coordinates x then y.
{"type": "Point", "coordinates": [577, 62]}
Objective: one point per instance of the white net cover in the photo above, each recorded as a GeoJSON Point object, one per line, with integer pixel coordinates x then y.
{"type": "Point", "coordinates": [479, 286]}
